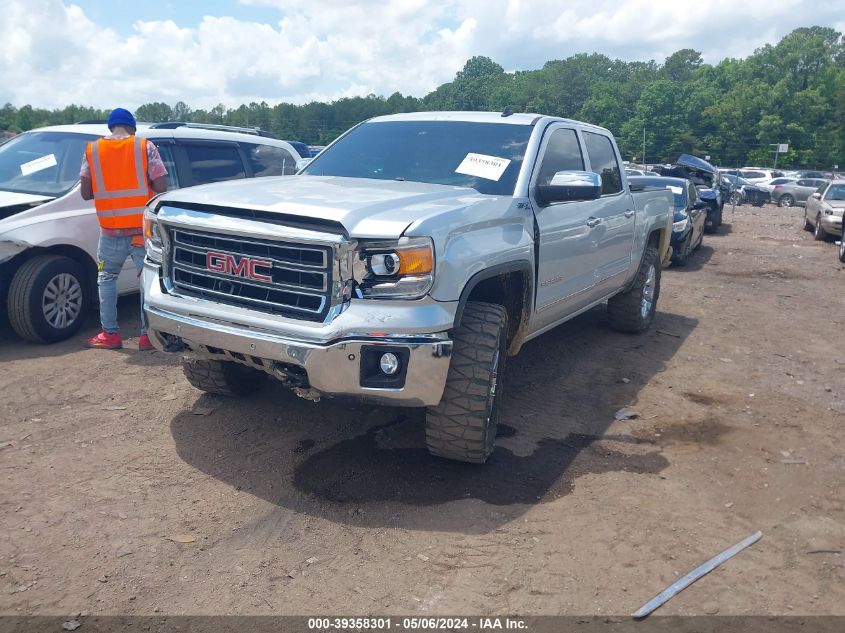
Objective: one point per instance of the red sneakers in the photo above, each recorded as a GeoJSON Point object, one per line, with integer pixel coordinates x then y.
{"type": "Point", "coordinates": [104, 340]}
{"type": "Point", "coordinates": [144, 344]}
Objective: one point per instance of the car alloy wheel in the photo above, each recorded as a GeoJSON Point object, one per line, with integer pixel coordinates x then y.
{"type": "Point", "coordinates": [818, 232]}
{"type": "Point", "coordinates": [648, 291]}
{"type": "Point", "coordinates": [61, 301]}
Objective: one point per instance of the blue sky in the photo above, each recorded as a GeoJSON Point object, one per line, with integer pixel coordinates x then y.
{"type": "Point", "coordinates": [120, 15]}
{"type": "Point", "coordinates": [97, 53]}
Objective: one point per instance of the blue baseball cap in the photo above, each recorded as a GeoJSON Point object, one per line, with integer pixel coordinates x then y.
{"type": "Point", "coordinates": [119, 116]}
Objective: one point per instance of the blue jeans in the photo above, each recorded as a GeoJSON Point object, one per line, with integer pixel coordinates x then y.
{"type": "Point", "coordinates": [112, 252]}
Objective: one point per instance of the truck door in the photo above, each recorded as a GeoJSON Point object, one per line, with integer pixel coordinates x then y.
{"type": "Point", "coordinates": [615, 213]}
{"type": "Point", "coordinates": [566, 245]}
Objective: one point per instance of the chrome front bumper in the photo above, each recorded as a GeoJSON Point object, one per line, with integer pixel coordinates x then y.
{"type": "Point", "coordinates": [329, 353]}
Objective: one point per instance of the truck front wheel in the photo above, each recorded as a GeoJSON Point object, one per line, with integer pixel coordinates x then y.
{"type": "Point", "coordinates": [463, 426]}
{"type": "Point", "coordinates": [223, 378]}
{"type": "Point", "coordinates": [633, 310]}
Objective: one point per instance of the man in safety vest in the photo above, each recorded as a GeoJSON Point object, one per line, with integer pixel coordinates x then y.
{"type": "Point", "coordinates": [120, 172]}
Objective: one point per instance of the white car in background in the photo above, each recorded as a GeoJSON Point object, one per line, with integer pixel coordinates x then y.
{"type": "Point", "coordinates": [771, 184]}
{"type": "Point", "coordinates": [757, 175]}
{"type": "Point", "coordinates": [49, 234]}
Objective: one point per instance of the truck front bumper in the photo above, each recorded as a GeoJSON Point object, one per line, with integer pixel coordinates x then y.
{"type": "Point", "coordinates": [333, 359]}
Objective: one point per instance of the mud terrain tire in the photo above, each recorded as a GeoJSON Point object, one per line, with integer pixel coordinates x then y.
{"type": "Point", "coordinates": [463, 426]}
{"type": "Point", "coordinates": [633, 310]}
{"type": "Point", "coordinates": [222, 377]}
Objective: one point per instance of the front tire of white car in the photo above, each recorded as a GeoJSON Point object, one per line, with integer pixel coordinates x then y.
{"type": "Point", "coordinates": [48, 299]}
{"type": "Point", "coordinates": [819, 234]}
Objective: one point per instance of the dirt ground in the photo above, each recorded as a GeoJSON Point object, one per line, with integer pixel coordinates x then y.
{"type": "Point", "coordinates": [110, 460]}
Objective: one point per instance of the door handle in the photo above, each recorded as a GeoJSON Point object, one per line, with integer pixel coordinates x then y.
{"type": "Point", "coordinates": [593, 222]}
{"type": "Point", "coordinates": [629, 213]}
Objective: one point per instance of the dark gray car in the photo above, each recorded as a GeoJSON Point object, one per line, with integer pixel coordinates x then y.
{"type": "Point", "coordinates": [796, 193]}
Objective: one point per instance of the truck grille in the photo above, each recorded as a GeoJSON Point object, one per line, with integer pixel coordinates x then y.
{"type": "Point", "coordinates": [289, 279]}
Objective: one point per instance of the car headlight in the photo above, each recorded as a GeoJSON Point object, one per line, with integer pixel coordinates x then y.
{"type": "Point", "coordinates": [680, 225]}
{"type": "Point", "coordinates": [395, 270]}
{"type": "Point", "coordinates": [152, 236]}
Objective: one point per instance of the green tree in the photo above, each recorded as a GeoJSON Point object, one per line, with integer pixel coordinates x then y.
{"type": "Point", "coordinates": [154, 112]}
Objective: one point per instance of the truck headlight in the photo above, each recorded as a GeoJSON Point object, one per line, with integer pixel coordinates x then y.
{"type": "Point", "coordinates": [152, 236]}
{"type": "Point", "coordinates": [395, 270]}
{"type": "Point", "coordinates": [680, 225]}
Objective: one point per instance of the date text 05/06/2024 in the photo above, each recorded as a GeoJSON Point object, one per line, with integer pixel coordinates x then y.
{"type": "Point", "coordinates": [416, 624]}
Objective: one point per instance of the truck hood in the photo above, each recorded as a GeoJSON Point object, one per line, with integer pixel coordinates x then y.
{"type": "Point", "coordinates": [12, 203]}
{"type": "Point", "coordinates": [364, 207]}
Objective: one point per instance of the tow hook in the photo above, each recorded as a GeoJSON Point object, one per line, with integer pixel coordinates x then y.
{"type": "Point", "coordinates": [172, 343]}
{"type": "Point", "coordinates": [292, 376]}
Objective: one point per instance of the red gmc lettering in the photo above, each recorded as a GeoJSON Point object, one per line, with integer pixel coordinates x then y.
{"type": "Point", "coordinates": [245, 267]}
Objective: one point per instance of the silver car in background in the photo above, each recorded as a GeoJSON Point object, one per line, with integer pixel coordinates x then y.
{"type": "Point", "coordinates": [823, 211]}
{"type": "Point", "coordinates": [796, 193]}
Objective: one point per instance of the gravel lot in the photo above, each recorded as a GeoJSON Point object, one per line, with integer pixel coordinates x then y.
{"type": "Point", "coordinates": [129, 492]}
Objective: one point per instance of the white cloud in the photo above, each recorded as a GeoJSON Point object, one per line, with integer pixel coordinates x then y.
{"type": "Point", "coordinates": [53, 54]}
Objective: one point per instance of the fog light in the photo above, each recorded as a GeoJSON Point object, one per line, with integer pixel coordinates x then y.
{"type": "Point", "coordinates": [389, 364]}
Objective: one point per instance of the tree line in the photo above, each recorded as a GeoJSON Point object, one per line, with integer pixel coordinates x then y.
{"type": "Point", "coordinates": [736, 111]}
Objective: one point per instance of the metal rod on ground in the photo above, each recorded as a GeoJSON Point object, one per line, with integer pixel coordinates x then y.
{"type": "Point", "coordinates": [677, 587]}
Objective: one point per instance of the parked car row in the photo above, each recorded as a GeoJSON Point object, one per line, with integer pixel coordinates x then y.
{"type": "Point", "coordinates": [689, 214]}
{"type": "Point", "coordinates": [708, 184]}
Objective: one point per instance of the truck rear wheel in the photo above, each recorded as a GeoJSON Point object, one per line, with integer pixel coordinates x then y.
{"type": "Point", "coordinates": [463, 426]}
{"type": "Point", "coordinates": [48, 299]}
{"type": "Point", "coordinates": [633, 310]}
{"type": "Point", "coordinates": [223, 378]}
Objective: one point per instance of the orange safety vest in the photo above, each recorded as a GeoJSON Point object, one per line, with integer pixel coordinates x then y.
{"type": "Point", "coordinates": [119, 181]}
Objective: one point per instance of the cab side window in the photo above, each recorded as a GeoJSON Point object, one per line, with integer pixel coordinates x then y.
{"type": "Point", "coordinates": [214, 162]}
{"type": "Point", "coordinates": [268, 160]}
{"type": "Point", "coordinates": [563, 153]}
{"type": "Point", "coordinates": [603, 162]}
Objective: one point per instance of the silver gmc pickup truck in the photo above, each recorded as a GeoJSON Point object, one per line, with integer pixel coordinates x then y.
{"type": "Point", "coordinates": [405, 263]}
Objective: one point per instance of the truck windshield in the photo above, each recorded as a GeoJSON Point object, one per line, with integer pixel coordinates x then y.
{"type": "Point", "coordinates": [484, 156]}
{"type": "Point", "coordinates": [42, 163]}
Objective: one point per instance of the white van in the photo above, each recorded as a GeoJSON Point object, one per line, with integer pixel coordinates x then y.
{"type": "Point", "coordinates": [49, 234]}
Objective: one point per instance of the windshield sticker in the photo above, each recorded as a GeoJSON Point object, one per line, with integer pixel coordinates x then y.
{"type": "Point", "coordinates": [45, 162]}
{"type": "Point", "coordinates": [676, 190]}
{"type": "Point", "coordinates": [483, 166]}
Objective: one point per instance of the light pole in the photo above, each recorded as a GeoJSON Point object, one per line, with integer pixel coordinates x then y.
{"type": "Point", "coordinates": [644, 169]}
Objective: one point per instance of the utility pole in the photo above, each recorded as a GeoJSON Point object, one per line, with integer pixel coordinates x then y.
{"type": "Point", "coordinates": [644, 169]}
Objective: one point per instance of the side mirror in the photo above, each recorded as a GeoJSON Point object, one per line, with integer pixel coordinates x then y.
{"type": "Point", "coordinates": [699, 204]}
{"type": "Point", "coordinates": [568, 186]}
{"type": "Point", "coordinates": [817, 196]}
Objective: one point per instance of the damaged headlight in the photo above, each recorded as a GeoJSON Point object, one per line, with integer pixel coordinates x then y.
{"type": "Point", "coordinates": [395, 270]}
{"type": "Point", "coordinates": [152, 236]}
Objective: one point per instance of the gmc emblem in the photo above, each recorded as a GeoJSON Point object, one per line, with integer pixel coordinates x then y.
{"type": "Point", "coordinates": [244, 267]}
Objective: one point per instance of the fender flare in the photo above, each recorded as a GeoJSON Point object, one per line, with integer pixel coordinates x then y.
{"type": "Point", "coordinates": [516, 266]}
